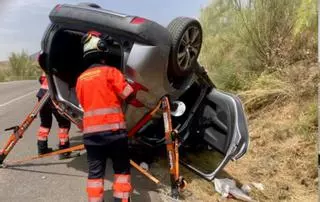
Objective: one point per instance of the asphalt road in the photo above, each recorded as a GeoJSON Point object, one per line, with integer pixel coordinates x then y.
{"type": "Point", "coordinates": [48, 179]}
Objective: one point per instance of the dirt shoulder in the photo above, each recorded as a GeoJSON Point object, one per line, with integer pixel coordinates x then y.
{"type": "Point", "coordinates": [280, 157]}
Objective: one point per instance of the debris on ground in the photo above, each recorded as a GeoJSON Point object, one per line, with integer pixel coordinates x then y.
{"type": "Point", "coordinates": [222, 186]}
{"type": "Point", "coordinates": [258, 186]}
{"type": "Point", "coordinates": [246, 188]}
{"type": "Point", "coordinates": [227, 188]}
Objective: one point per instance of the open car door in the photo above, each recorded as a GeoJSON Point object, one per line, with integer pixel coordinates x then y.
{"type": "Point", "coordinates": [218, 134]}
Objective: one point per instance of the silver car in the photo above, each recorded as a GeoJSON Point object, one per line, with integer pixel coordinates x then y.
{"type": "Point", "coordinates": [162, 61]}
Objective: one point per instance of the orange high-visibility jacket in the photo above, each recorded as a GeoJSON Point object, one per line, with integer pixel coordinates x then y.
{"type": "Point", "coordinates": [100, 91]}
{"type": "Point", "coordinates": [44, 81]}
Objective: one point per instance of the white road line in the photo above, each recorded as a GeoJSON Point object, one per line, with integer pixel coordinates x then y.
{"type": "Point", "coordinates": [17, 98]}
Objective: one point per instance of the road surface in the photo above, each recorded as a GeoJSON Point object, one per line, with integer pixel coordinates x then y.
{"type": "Point", "coordinates": [48, 179]}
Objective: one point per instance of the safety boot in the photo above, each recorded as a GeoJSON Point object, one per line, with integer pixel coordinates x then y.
{"type": "Point", "coordinates": [64, 146]}
{"type": "Point", "coordinates": [43, 147]}
{"type": "Point", "coordinates": [117, 199]}
{"type": "Point", "coordinates": [120, 200]}
{"type": "Point", "coordinates": [67, 154]}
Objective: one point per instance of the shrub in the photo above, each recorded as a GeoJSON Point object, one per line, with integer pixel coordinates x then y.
{"type": "Point", "coordinates": [21, 67]}
{"type": "Point", "coordinates": [243, 41]}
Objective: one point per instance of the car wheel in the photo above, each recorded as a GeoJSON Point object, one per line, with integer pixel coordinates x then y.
{"type": "Point", "coordinates": [93, 5]}
{"type": "Point", "coordinates": [186, 44]}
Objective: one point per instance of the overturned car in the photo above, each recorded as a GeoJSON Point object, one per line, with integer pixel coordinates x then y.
{"type": "Point", "coordinates": [161, 61]}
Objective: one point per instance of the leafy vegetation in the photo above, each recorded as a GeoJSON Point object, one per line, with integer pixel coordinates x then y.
{"type": "Point", "coordinates": [244, 41]}
{"type": "Point", "coordinates": [20, 67]}
{"type": "Point", "coordinates": [263, 50]}
{"type": "Point", "coordinates": [266, 52]}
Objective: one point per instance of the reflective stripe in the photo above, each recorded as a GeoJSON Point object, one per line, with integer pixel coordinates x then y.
{"type": "Point", "coordinates": [118, 194]}
{"type": "Point", "coordinates": [63, 140]}
{"type": "Point", "coordinates": [95, 183]}
{"type": "Point", "coordinates": [44, 130]}
{"type": "Point", "coordinates": [103, 111]}
{"type": "Point", "coordinates": [105, 127]}
{"type": "Point", "coordinates": [95, 199]}
{"type": "Point", "coordinates": [43, 133]}
{"type": "Point", "coordinates": [95, 189]}
{"type": "Point", "coordinates": [44, 86]}
{"type": "Point", "coordinates": [63, 130]}
{"type": "Point", "coordinates": [122, 179]}
{"type": "Point", "coordinates": [63, 137]}
{"type": "Point", "coordinates": [126, 91]}
{"type": "Point", "coordinates": [42, 138]}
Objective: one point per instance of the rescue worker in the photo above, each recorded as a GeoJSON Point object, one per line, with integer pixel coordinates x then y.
{"type": "Point", "coordinates": [46, 122]}
{"type": "Point", "coordinates": [100, 91]}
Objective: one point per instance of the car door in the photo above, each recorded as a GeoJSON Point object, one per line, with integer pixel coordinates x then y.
{"type": "Point", "coordinates": [218, 134]}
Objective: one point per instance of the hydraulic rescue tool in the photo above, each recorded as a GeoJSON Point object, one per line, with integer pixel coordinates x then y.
{"type": "Point", "coordinates": [18, 131]}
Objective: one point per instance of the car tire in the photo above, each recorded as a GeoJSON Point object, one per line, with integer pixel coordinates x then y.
{"type": "Point", "coordinates": [93, 5]}
{"type": "Point", "coordinates": [186, 42]}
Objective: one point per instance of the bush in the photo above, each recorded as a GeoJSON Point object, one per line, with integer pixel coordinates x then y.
{"type": "Point", "coordinates": [243, 41]}
{"type": "Point", "coordinates": [21, 67]}
{"type": "Point", "coordinates": [266, 52]}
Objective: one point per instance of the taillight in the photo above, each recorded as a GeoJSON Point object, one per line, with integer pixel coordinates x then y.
{"type": "Point", "coordinates": [137, 20]}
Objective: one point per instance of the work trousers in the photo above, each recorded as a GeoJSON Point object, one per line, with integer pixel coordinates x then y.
{"type": "Point", "coordinates": [100, 147]}
{"type": "Point", "coordinates": [46, 113]}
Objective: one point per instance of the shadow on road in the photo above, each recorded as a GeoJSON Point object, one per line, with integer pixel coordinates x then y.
{"type": "Point", "coordinates": [34, 164]}
{"type": "Point", "coordinates": [145, 190]}
{"type": "Point", "coordinates": [142, 185]}
{"type": "Point", "coordinates": [42, 172]}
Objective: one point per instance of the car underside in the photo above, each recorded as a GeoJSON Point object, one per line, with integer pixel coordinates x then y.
{"type": "Point", "coordinates": [162, 61]}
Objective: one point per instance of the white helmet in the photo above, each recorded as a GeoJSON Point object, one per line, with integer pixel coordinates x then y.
{"type": "Point", "coordinates": [93, 44]}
